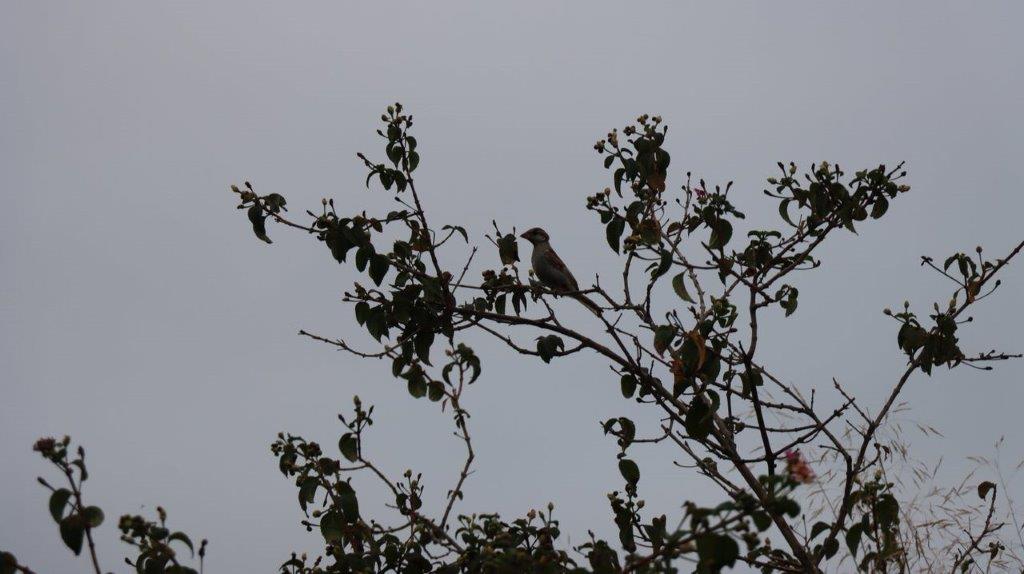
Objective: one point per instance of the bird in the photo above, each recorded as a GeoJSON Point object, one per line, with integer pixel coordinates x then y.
{"type": "Point", "coordinates": [552, 271]}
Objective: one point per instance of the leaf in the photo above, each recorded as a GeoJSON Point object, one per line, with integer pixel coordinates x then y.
{"type": "Point", "coordinates": [679, 284]}
{"type": "Point", "coordinates": [362, 312]}
{"type": "Point", "coordinates": [184, 539]}
{"type": "Point", "coordinates": [417, 387]}
{"type": "Point", "coordinates": [629, 470]}
{"type": "Point", "coordinates": [663, 336]}
{"type": "Point", "coordinates": [548, 345]}
{"type": "Point", "coordinates": [853, 536]}
{"type": "Point", "coordinates": [377, 323]}
{"type": "Point", "coordinates": [830, 547]}
{"type": "Point", "coordinates": [458, 229]}
{"type": "Point", "coordinates": [887, 510]}
{"type": "Point", "coordinates": [58, 500]}
{"type": "Point", "coordinates": [627, 385]}
{"type": "Point", "coordinates": [259, 222]}
{"type": "Point", "coordinates": [435, 391]}
{"type": "Point", "coordinates": [423, 342]}
{"type": "Point", "coordinates": [627, 431]}
{"type": "Point", "coordinates": [750, 380]}
{"type": "Point", "coordinates": [93, 516]}
{"type": "Point", "coordinates": [72, 532]}
{"type": "Point", "coordinates": [618, 180]}
{"type": "Point", "coordinates": [307, 492]}
{"type": "Point", "coordinates": [818, 528]}
{"type": "Point", "coordinates": [379, 265]}
{"type": "Point", "coordinates": [699, 419]}
{"type": "Point", "coordinates": [762, 521]}
{"type": "Point", "coordinates": [984, 488]}
{"type": "Point", "coordinates": [8, 563]}
{"type": "Point", "coordinates": [349, 446]}
{"type": "Point", "coordinates": [784, 211]}
{"type": "Point", "coordinates": [614, 232]}
{"type": "Point", "coordinates": [721, 233]}
{"type": "Point", "coordinates": [879, 208]}
{"type": "Point", "coordinates": [349, 502]}
{"type": "Point", "coordinates": [337, 242]}
{"type": "Point", "coordinates": [716, 551]}
{"type": "Point", "coordinates": [791, 301]}
{"type": "Point", "coordinates": [508, 249]}
{"type": "Point", "coordinates": [363, 256]}
{"type": "Point", "coordinates": [332, 526]}
{"type": "Point", "coordinates": [663, 265]}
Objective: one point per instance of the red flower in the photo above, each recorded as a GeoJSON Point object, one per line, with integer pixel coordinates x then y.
{"type": "Point", "coordinates": [797, 468]}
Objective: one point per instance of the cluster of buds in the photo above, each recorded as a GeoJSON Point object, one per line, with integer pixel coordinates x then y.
{"type": "Point", "coordinates": [798, 469]}
{"type": "Point", "coordinates": [51, 448]}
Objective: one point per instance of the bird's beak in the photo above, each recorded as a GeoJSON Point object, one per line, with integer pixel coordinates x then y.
{"type": "Point", "coordinates": [523, 235]}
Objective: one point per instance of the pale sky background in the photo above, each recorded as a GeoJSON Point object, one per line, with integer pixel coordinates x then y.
{"type": "Point", "coordinates": [139, 315]}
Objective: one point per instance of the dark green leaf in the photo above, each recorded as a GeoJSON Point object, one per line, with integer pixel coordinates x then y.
{"type": "Point", "coordinates": [784, 211]}
{"type": "Point", "coordinates": [458, 229]}
{"type": "Point", "coordinates": [818, 528]}
{"type": "Point", "coordinates": [699, 419]}
{"type": "Point", "coordinates": [887, 510]}
{"type": "Point", "coordinates": [663, 336]}
{"type": "Point", "coordinates": [679, 284]}
{"type": "Point", "coordinates": [332, 526]}
{"type": "Point", "coordinates": [721, 233]}
{"type": "Point", "coordinates": [629, 470]}
{"type": "Point", "coordinates": [93, 516]}
{"type": "Point", "coordinates": [58, 500]}
{"type": "Point", "coordinates": [717, 551]}
{"type": "Point", "coordinates": [435, 391]}
{"type": "Point", "coordinates": [761, 520]}
{"type": "Point", "coordinates": [830, 547]}
{"type": "Point", "coordinates": [627, 385]}
{"type": "Point", "coordinates": [362, 311]}
{"type": "Point", "coordinates": [879, 208]}
{"type": "Point", "coordinates": [508, 250]}
{"type": "Point", "coordinates": [853, 536]}
{"type": "Point", "coordinates": [184, 539]}
{"type": "Point", "coordinates": [349, 502]}
{"type": "Point", "coordinates": [379, 265]}
{"type": "Point", "coordinates": [618, 179]}
{"type": "Point", "coordinates": [363, 256]}
{"type": "Point", "coordinates": [259, 222]}
{"type": "Point", "coordinates": [984, 488]}
{"type": "Point", "coordinates": [307, 492]}
{"type": "Point", "coordinates": [72, 532]}
{"type": "Point", "coordinates": [423, 342]}
{"type": "Point", "coordinates": [349, 446]}
{"type": "Point", "coordinates": [614, 232]}
{"type": "Point", "coordinates": [8, 563]}
{"type": "Point", "coordinates": [548, 346]}
{"type": "Point", "coordinates": [663, 265]}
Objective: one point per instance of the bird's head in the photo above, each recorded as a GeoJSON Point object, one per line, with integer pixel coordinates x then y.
{"type": "Point", "coordinates": [535, 235]}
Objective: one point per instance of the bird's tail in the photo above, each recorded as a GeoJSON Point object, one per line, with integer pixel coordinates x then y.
{"type": "Point", "coordinates": [588, 303]}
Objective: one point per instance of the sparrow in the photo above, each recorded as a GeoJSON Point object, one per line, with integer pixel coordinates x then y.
{"type": "Point", "coordinates": [552, 271]}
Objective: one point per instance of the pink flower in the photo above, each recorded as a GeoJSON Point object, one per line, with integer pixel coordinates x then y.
{"type": "Point", "coordinates": [798, 469]}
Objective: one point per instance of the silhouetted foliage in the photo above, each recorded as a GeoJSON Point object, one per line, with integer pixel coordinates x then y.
{"type": "Point", "coordinates": [690, 353]}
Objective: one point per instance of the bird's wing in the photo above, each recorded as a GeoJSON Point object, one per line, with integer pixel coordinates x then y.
{"type": "Point", "coordinates": [556, 263]}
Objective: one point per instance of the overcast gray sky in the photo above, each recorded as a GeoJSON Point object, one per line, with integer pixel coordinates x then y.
{"type": "Point", "coordinates": [139, 315]}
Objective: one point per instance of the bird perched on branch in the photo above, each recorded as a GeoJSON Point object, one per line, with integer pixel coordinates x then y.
{"type": "Point", "coordinates": [552, 271]}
